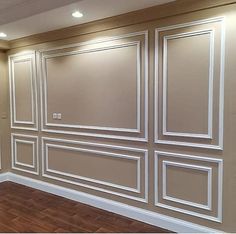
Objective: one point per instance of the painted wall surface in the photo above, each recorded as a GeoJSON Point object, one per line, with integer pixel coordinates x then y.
{"type": "Point", "coordinates": [142, 114]}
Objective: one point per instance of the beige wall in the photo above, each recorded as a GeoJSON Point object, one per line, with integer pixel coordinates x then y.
{"type": "Point", "coordinates": [141, 114]}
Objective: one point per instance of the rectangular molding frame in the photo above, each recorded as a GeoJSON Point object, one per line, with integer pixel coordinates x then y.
{"type": "Point", "coordinates": [15, 162]}
{"type": "Point", "coordinates": [150, 217]}
{"type": "Point", "coordinates": [210, 100]}
{"type": "Point", "coordinates": [208, 206]}
{"type": "Point", "coordinates": [21, 57]}
{"type": "Point", "coordinates": [137, 130]}
{"type": "Point", "coordinates": [218, 218]}
{"type": "Point", "coordinates": [137, 190]}
{"type": "Point", "coordinates": [210, 83]}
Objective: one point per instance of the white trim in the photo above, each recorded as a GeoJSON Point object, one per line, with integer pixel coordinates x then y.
{"type": "Point", "coordinates": [124, 137]}
{"type": "Point", "coordinates": [219, 146]}
{"type": "Point", "coordinates": [4, 177]}
{"type": "Point", "coordinates": [33, 140]}
{"type": "Point", "coordinates": [210, 83]}
{"type": "Point", "coordinates": [83, 51]}
{"type": "Point", "coordinates": [219, 162]}
{"type": "Point", "coordinates": [77, 149]}
{"type": "Point", "coordinates": [12, 59]}
{"type": "Point", "coordinates": [150, 217]}
{"type": "Point", "coordinates": [137, 190]}
{"type": "Point", "coordinates": [208, 206]}
{"type": "Point", "coordinates": [33, 156]}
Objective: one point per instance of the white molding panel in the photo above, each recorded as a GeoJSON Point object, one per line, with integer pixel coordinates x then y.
{"type": "Point", "coordinates": [23, 124]}
{"type": "Point", "coordinates": [165, 196]}
{"type": "Point", "coordinates": [159, 220]}
{"type": "Point", "coordinates": [210, 83]}
{"type": "Point", "coordinates": [208, 169]}
{"type": "Point", "coordinates": [83, 51]}
{"type": "Point", "coordinates": [191, 136]}
{"type": "Point", "coordinates": [20, 166]}
{"type": "Point", "coordinates": [141, 125]}
{"type": "Point", "coordinates": [81, 180]}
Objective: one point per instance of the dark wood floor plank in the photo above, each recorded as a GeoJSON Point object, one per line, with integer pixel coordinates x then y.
{"type": "Point", "coordinates": [24, 209]}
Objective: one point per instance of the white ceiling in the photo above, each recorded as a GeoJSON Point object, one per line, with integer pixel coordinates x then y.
{"type": "Point", "coordinates": [20, 18]}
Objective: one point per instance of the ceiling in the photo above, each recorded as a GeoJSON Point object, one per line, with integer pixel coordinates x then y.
{"type": "Point", "coordinates": [20, 18]}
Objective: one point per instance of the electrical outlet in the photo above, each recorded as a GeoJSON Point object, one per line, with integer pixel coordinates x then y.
{"type": "Point", "coordinates": [59, 116]}
{"type": "Point", "coordinates": [54, 115]}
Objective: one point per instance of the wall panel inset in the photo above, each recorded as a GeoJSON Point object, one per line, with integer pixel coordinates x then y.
{"type": "Point", "coordinates": [189, 184]}
{"type": "Point", "coordinates": [23, 91]}
{"type": "Point", "coordinates": [97, 89]}
{"type": "Point", "coordinates": [24, 153]}
{"type": "Point", "coordinates": [189, 64]}
{"type": "Point", "coordinates": [117, 170]}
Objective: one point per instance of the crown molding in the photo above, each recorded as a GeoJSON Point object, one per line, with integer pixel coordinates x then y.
{"type": "Point", "coordinates": [141, 16]}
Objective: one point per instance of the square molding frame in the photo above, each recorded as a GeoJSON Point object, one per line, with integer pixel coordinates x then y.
{"type": "Point", "coordinates": [15, 164]}
{"type": "Point", "coordinates": [207, 169]}
{"type": "Point", "coordinates": [208, 206]}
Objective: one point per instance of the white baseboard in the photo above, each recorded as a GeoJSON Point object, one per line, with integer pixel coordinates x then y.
{"type": "Point", "coordinates": [3, 177]}
{"type": "Point", "coordinates": [163, 221]}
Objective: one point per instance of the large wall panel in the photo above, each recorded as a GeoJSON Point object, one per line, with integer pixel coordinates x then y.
{"type": "Point", "coordinates": [97, 89]}
{"type": "Point", "coordinates": [189, 75]}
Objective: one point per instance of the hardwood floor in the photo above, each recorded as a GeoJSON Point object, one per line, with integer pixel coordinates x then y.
{"type": "Point", "coordinates": [24, 209]}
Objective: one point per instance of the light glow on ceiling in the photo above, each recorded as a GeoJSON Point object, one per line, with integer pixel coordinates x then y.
{"type": "Point", "coordinates": [2, 34]}
{"type": "Point", "coordinates": [77, 14]}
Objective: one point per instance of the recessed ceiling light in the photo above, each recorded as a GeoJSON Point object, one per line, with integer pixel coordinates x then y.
{"type": "Point", "coordinates": [2, 34]}
{"type": "Point", "coordinates": [77, 14]}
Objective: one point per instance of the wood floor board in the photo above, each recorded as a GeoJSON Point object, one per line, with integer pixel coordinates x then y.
{"type": "Point", "coordinates": [24, 209]}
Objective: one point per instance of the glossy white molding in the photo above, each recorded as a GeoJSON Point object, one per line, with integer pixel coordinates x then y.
{"type": "Point", "coordinates": [193, 136]}
{"type": "Point", "coordinates": [210, 83]}
{"type": "Point", "coordinates": [150, 217]}
{"type": "Point", "coordinates": [23, 124]}
{"type": "Point", "coordinates": [219, 162]}
{"type": "Point", "coordinates": [165, 196]}
{"type": "Point", "coordinates": [83, 51]}
{"type": "Point", "coordinates": [15, 164]}
{"type": "Point", "coordinates": [97, 128]}
{"type": "Point", "coordinates": [55, 143]}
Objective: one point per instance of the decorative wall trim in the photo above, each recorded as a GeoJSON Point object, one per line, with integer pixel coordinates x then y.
{"type": "Point", "coordinates": [137, 159]}
{"type": "Point", "coordinates": [210, 83]}
{"type": "Point", "coordinates": [219, 146]}
{"type": "Point", "coordinates": [219, 162]}
{"type": "Point", "coordinates": [21, 124]}
{"type": "Point", "coordinates": [208, 206]}
{"type": "Point", "coordinates": [46, 169]}
{"type": "Point", "coordinates": [138, 129]}
{"type": "Point", "coordinates": [15, 164]}
{"type": "Point", "coordinates": [163, 221]}
{"type": "Point", "coordinates": [83, 51]}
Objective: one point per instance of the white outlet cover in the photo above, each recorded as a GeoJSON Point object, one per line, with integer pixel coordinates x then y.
{"type": "Point", "coordinates": [54, 115]}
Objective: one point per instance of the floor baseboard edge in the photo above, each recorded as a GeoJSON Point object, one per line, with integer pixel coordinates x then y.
{"type": "Point", "coordinates": [163, 221]}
